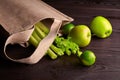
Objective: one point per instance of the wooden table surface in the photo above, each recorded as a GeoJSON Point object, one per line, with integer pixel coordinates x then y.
{"type": "Point", "coordinates": [107, 66]}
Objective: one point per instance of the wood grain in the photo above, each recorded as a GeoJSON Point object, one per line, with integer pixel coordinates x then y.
{"type": "Point", "coordinates": [107, 66]}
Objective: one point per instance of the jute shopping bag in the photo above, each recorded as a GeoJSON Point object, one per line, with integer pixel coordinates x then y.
{"type": "Point", "coordinates": [17, 17]}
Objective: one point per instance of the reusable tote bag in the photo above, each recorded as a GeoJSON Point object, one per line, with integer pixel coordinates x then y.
{"type": "Point", "coordinates": [17, 17]}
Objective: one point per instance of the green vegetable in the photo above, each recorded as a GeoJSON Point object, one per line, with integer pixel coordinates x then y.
{"type": "Point", "coordinates": [34, 40]}
{"type": "Point", "coordinates": [42, 27]}
{"type": "Point", "coordinates": [42, 34]}
{"type": "Point", "coordinates": [38, 34]}
{"type": "Point", "coordinates": [60, 45]}
{"type": "Point", "coordinates": [67, 45]}
{"type": "Point", "coordinates": [57, 50]}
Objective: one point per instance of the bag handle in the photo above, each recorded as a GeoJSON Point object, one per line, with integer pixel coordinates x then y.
{"type": "Point", "coordinates": [42, 47]}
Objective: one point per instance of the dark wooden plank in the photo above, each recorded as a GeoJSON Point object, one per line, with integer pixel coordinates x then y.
{"type": "Point", "coordinates": [107, 66]}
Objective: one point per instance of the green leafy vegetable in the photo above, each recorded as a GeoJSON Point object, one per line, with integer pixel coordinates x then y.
{"type": "Point", "coordinates": [38, 34]}
{"type": "Point", "coordinates": [67, 45]}
{"type": "Point", "coordinates": [60, 46]}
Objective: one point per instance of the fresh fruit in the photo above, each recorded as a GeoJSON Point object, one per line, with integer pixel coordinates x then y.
{"type": "Point", "coordinates": [101, 27]}
{"type": "Point", "coordinates": [67, 28]}
{"type": "Point", "coordinates": [88, 58]}
{"type": "Point", "coordinates": [81, 35]}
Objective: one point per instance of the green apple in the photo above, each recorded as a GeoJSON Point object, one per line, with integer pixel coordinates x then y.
{"type": "Point", "coordinates": [81, 35]}
{"type": "Point", "coordinates": [101, 27]}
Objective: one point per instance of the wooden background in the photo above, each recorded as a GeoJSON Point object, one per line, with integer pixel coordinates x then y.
{"type": "Point", "coordinates": [107, 66]}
